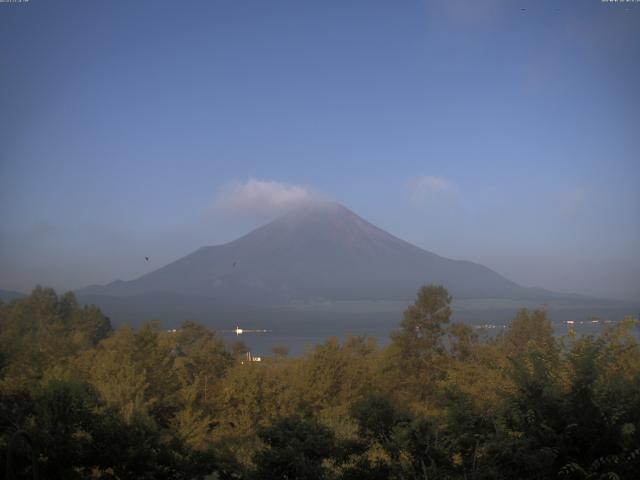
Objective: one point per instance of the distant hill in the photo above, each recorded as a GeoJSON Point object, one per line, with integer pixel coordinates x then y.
{"type": "Point", "coordinates": [321, 252]}
{"type": "Point", "coordinates": [8, 295]}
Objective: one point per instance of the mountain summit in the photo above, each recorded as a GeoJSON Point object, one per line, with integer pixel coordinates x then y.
{"type": "Point", "coordinates": [321, 251]}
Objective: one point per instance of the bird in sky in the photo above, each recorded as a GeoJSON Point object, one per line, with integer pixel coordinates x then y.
{"type": "Point", "coordinates": [146, 258]}
{"type": "Point", "coordinates": [234, 264]}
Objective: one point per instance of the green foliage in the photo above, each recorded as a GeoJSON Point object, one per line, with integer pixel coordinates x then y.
{"type": "Point", "coordinates": [296, 448]}
{"type": "Point", "coordinates": [42, 330]}
{"type": "Point", "coordinates": [78, 400]}
{"type": "Point", "coordinates": [417, 352]}
{"type": "Point", "coordinates": [529, 331]}
{"type": "Point", "coordinates": [280, 351]}
{"type": "Point", "coordinates": [76, 437]}
{"type": "Point", "coordinates": [463, 340]}
{"type": "Point", "coordinates": [376, 418]}
{"type": "Point", "coordinates": [422, 328]}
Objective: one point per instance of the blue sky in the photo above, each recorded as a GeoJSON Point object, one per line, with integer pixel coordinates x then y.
{"type": "Point", "coordinates": [474, 129]}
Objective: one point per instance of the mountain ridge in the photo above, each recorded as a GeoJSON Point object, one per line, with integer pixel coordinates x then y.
{"type": "Point", "coordinates": [320, 251]}
{"type": "Point", "coordinates": [9, 295]}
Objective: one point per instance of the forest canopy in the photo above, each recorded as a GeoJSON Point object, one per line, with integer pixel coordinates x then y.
{"type": "Point", "coordinates": [79, 399]}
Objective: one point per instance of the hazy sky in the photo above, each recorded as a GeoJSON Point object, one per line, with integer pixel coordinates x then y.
{"type": "Point", "coordinates": [471, 128]}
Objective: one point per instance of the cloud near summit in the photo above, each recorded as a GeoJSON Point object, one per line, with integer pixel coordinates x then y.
{"type": "Point", "coordinates": [260, 197]}
{"type": "Point", "coordinates": [425, 187]}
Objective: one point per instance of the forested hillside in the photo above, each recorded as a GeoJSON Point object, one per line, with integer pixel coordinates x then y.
{"type": "Point", "coordinates": [81, 400]}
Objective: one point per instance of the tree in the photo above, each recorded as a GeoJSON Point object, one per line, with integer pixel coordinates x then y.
{"type": "Point", "coordinates": [530, 330]}
{"type": "Point", "coordinates": [463, 340]}
{"type": "Point", "coordinates": [239, 349]}
{"type": "Point", "coordinates": [376, 417]}
{"type": "Point", "coordinates": [42, 330]}
{"type": "Point", "coordinates": [418, 346]}
{"type": "Point", "coordinates": [297, 448]}
{"type": "Point", "coordinates": [421, 331]}
{"type": "Point", "coordinates": [410, 442]}
{"type": "Point", "coordinates": [280, 351]}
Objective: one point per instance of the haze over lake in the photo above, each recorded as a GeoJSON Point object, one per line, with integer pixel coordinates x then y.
{"type": "Point", "coordinates": [321, 271]}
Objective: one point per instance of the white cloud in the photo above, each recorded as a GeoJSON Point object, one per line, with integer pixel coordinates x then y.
{"type": "Point", "coordinates": [260, 197]}
{"type": "Point", "coordinates": [425, 187]}
{"type": "Point", "coordinates": [432, 183]}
